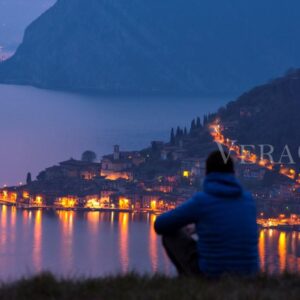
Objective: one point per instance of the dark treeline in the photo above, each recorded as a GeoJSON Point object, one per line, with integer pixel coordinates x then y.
{"type": "Point", "coordinates": [197, 125]}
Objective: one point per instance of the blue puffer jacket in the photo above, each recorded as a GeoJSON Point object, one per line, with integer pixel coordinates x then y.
{"type": "Point", "coordinates": [225, 218]}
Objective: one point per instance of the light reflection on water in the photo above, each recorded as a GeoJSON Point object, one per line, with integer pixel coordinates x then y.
{"type": "Point", "coordinates": [72, 243]}
{"type": "Point", "coordinates": [279, 251]}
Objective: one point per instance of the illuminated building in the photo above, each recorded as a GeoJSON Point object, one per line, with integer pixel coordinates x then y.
{"type": "Point", "coordinates": [124, 203]}
{"type": "Point", "coordinates": [92, 202]}
{"type": "Point", "coordinates": [37, 200]}
{"type": "Point", "coordinates": [193, 167]}
{"type": "Point", "coordinates": [8, 196]}
{"type": "Point", "coordinates": [186, 174]}
{"type": "Point", "coordinates": [66, 202]}
{"type": "Point", "coordinates": [25, 195]}
{"type": "Point", "coordinates": [119, 164]}
{"type": "Point", "coordinates": [153, 204]}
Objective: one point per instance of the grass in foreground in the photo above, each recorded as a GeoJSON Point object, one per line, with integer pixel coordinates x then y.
{"type": "Point", "coordinates": [131, 286]}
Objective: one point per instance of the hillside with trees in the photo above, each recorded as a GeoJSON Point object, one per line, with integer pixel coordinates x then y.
{"type": "Point", "coordinates": [268, 114]}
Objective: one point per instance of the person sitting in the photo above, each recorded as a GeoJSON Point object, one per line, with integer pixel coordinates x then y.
{"type": "Point", "coordinates": [225, 222]}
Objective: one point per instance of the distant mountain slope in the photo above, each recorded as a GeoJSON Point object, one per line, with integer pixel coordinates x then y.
{"type": "Point", "coordinates": [170, 46]}
{"type": "Point", "coordinates": [268, 114]}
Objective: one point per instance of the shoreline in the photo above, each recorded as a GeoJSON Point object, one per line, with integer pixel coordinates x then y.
{"type": "Point", "coordinates": [84, 209]}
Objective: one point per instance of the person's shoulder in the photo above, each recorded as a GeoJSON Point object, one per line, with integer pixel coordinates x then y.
{"type": "Point", "coordinates": [196, 202]}
{"type": "Point", "coordinates": [247, 195]}
{"type": "Point", "coordinates": [200, 197]}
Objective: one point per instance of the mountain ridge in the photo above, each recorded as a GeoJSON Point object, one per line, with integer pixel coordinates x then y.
{"type": "Point", "coordinates": [169, 47]}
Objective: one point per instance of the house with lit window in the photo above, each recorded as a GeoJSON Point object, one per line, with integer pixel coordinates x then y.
{"type": "Point", "coordinates": [119, 165]}
{"type": "Point", "coordinates": [101, 200]}
{"type": "Point", "coordinates": [8, 195]}
{"type": "Point", "coordinates": [193, 167]}
{"type": "Point", "coordinates": [158, 185]}
{"type": "Point", "coordinates": [66, 202]}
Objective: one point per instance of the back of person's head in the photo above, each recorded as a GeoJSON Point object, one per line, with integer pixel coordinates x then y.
{"type": "Point", "coordinates": [218, 162]}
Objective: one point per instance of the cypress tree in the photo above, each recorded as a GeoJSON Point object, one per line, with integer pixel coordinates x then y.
{"type": "Point", "coordinates": [185, 131]}
{"type": "Point", "coordinates": [172, 137]}
{"type": "Point", "coordinates": [193, 126]}
{"type": "Point", "coordinates": [198, 123]}
{"type": "Point", "coordinates": [28, 178]}
{"type": "Point", "coordinates": [178, 132]}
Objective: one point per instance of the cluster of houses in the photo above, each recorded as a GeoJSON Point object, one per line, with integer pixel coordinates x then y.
{"type": "Point", "coordinates": [121, 180]}
{"type": "Point", "coordinates": [114, 183]}
{"type": "Point", "coordinates": [278, 199]}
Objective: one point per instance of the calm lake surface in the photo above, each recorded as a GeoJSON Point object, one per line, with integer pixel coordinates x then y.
{"type": "Point", "coordinates": [39, 128]}
{"type": "Point", "coordinates": [99, 243]}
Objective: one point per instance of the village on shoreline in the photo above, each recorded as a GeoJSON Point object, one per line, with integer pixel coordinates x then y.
{"type": "Point", "coordinates": [154, 180]}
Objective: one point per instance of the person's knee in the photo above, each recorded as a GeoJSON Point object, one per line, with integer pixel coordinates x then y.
{"type": "Point", "coordinates": [168, 241]}
{"type": "Point", "coordinates": [182, 251]}
{"type": "Point", "coordinates": [165, 241]}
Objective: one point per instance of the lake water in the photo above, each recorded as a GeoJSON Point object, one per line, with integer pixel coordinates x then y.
{"type": "Point", "coordinates": [39, 128]}
{"type": "Point", "coordinates": [99, 243]}
{"type": "Point", "coordinates": [75, 243]}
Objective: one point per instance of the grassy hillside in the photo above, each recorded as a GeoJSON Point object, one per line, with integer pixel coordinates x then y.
{"type": "Point", "coordinates": [131, 286]}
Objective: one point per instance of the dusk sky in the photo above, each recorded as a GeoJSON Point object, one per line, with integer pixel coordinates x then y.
{"type": "Point", "coordinates": [15, 15]}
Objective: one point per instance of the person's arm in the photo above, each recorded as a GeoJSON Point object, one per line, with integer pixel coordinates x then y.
{"type": "Point", "coordinates": [170, 222]}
